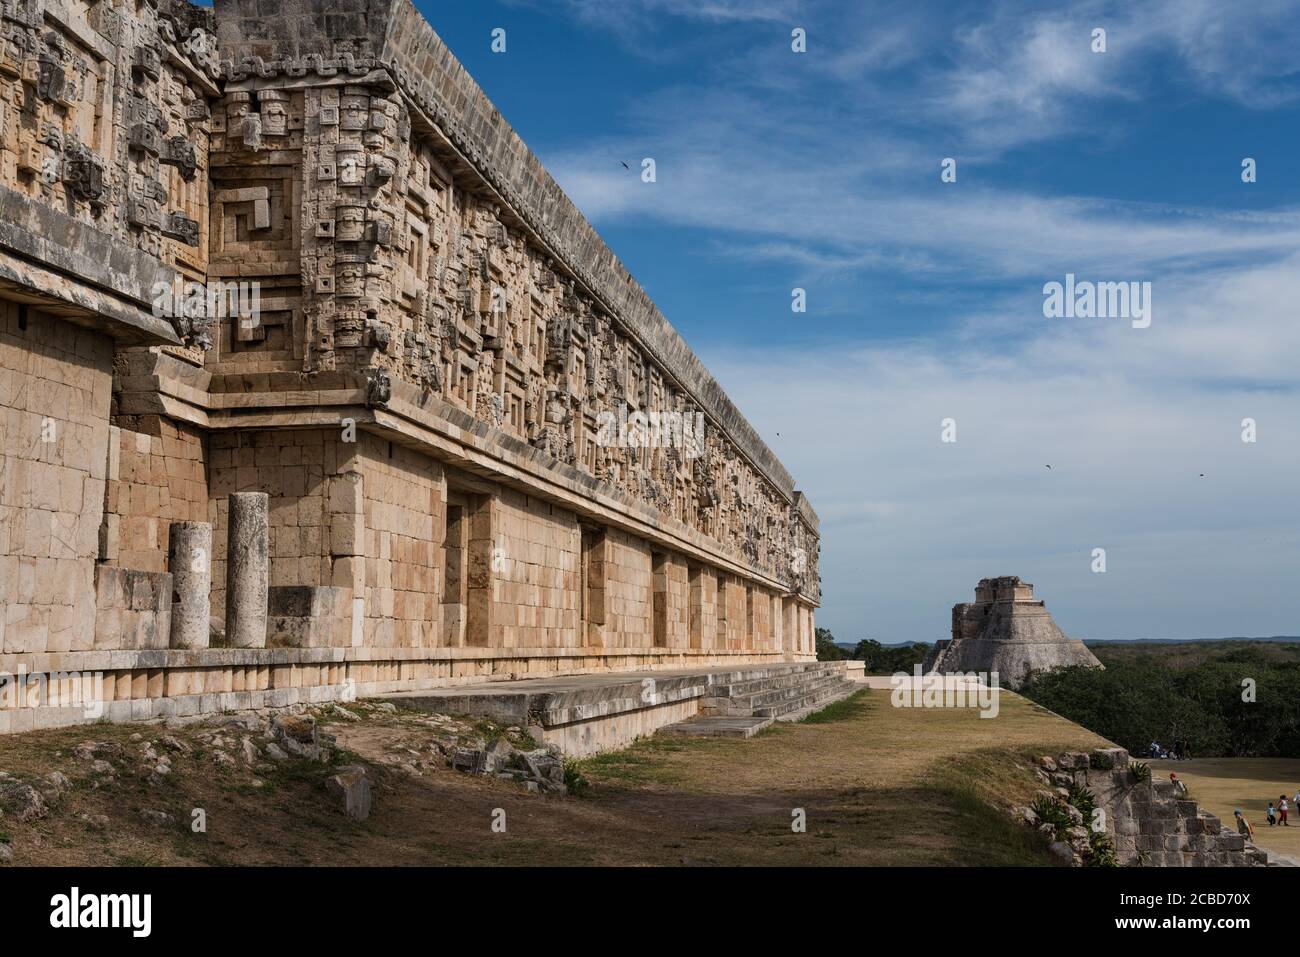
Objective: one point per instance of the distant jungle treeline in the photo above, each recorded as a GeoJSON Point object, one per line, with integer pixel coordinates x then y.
{"type": "Point", "coordinates": [1189, 692]}
{"type": "Point", "coordinates": [1193, 692]}
{"type": "Point", "coordinates": [879, 659]}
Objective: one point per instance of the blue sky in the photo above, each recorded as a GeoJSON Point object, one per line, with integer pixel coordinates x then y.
{"type": "Point", "coordinates": [821, 170]}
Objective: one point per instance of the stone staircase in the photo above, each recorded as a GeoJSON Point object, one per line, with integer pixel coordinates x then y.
{"type": "Point", "coordinates": [1191, 837]}
{"type": "Point", "coordinates": [1152, 823]}
{"type": "Point", "coordinates": [740, 704]}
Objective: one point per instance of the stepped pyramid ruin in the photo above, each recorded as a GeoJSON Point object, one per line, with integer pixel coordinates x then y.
{"type": "Point", "coordinates": [1008, 631]}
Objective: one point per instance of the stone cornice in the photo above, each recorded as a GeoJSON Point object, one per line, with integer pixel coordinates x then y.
{"type": "Point", "coordinates": [86, 269]}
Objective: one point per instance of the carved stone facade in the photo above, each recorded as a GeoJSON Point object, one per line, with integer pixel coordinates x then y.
{"type": "Point", "coordinates": [486, 452]}
{"type": "Point", "coordinates": [104, 117]}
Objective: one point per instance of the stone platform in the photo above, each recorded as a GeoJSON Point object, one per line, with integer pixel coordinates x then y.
{"type": "Point", "coordinates": [586, 714]}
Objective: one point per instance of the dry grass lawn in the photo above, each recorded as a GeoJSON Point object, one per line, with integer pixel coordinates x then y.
{"type": "Point", "coordinates": [879, 785]}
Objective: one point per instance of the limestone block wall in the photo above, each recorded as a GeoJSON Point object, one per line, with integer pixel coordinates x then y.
{"type": "Point", "coordinates": [629, 610]}
{"type": "Point", "coordinates": [791, 632]}
{"type": "Point", "coordinates": [774, 610]}
{"type": "Point", "coordinates": [764, 630]}
{"type": "Point", "coordinates": [702, 615]}
{"type": "Point", "coordinates": [55, 386]}
{"type": "Point", "coordinates": [797, 636]}
{"type": "Point", "coordinates": [363, 515]}
{"type": "Point", "coordinates": [372, 516]}
{"type": "Point", "coordinates": [404, 497]}
{"type": "Point", "coordinates": [672, 595]}
{"type": "Point", "coordinates": [292, 467]}
{"type": "Point", "coordinates": [737, 614]}
{"type": "Point", "coordinates": [132, 608]}
{"type": "Point", "coordinates": [156, 476]}
{"type": "Point", "coordinates": [535, 566]}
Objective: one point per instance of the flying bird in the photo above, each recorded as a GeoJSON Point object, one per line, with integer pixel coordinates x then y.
{"type": "Point", "coordinates": [625, 166]}
{"type": "Point", "coordinates": [1047, 466]}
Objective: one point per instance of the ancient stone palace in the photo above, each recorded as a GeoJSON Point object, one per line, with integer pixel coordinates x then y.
{"type": "Point", "coordinates": [313, 383]}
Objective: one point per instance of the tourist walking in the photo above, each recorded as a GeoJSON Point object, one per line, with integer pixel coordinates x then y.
{"type": "Point", "coordinates": [1243, 826]}
{"type": "Point", "coordinates": [1179, 786]}
{"type": "Point", "coordinates": [1282, 809]}
{"type": "Point", "coordinates": [1272, 815]}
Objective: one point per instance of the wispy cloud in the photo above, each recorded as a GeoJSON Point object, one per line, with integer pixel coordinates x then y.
{"type": "Point", "coordinates": [1146, 461]}
{"type": "Point", "coordinates": [1007, 72]}
{"type": "Point", "coordinates": [829, 194]}
{"type": "Point", "coordinates": [632, 20]}
{"type": "Point", "coordinates": [828, 164]}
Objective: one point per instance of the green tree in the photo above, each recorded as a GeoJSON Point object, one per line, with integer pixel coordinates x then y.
{"type": "Point", "coordinates": [827, 650]}
{"type": "Point", "coordinates": [880, 660]}
{"type": "Point", "coordinates": [1181, 695]}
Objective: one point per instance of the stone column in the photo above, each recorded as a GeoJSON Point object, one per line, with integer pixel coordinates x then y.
{"type": "Point", "coordinates": [189, 559]}
{"type": "Point", "coordinates": [247, 569]}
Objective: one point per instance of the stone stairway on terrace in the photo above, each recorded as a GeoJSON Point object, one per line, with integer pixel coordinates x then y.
{"type": "Point", "coordinates": [739, 705]}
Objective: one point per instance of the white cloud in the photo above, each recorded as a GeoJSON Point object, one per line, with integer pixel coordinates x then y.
{"type": "Point", "coordinates": [988, 75]}
{"type": "Point", "coordinates": [736, 166]}
{"type": "Point", "coordinates": [1018, 73]}
{"type": "Point", "coordinates": [632, 19]}
{"type": "Point", "coordinates": [1128, 424]}
{"type": "Point", "coordinates": [834, 171]}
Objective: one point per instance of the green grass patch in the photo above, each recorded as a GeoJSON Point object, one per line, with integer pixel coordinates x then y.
{"type": "Point", "coordinates": [574, 779]}
{"type": "Point", "coordinates": [642, 763]}
{"type": "Point", "coordinates": [986, 834]}
{"type": "Point", "coordinates": [298, 769]}
{"type": "Point", "coordinates": [846, 709]}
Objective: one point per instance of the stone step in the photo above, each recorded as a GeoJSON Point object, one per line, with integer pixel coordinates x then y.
{"type": "Point", "coordinates": [759, 673]}
{"type": "Point", "coordinates": [849, 689]}
{"type": "Point", "coordinates": [745, 704]}
{"type": "Point", "coordinates": [768, 682]}
{"type": "Point", "coordinates": [717, 726]}
{"type": "Point", "coordinates": [738, 706]}
{"type": "Point", "coordinates": [792, 705]}
{"type": "Point", "coordinates": [776, 695]}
